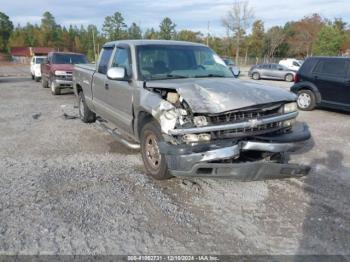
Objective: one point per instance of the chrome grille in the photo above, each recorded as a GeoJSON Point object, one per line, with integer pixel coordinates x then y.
{"type": "Point", "coordinates": [244, 116]}
{"type": "Point", "coordinates": [239, 132]}
{"type": "Point", "coordinates": [67, 77]}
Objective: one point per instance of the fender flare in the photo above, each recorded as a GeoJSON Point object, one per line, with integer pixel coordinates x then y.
{"type": "Point", "coordinates": [307, 86]}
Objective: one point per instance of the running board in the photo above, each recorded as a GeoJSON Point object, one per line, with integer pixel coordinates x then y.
{"type": "Point", "coordinates": [118, 136]}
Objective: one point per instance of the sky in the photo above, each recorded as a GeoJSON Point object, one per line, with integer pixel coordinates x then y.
{"type": "Point", "coordinates": [187, 14]}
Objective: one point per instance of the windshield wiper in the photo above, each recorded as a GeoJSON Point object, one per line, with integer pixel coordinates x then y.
{"type": "Point", "coordinates": [209, 75]}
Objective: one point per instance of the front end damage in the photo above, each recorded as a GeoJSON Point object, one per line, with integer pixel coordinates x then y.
{"type": "Point", "coordinates": [244, 144]}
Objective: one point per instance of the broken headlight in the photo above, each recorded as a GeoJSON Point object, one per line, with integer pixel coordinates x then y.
{"type": "Point", "coordinates": [194, 138]}
{"type": "Point", "coordinates": [290, 107]}
{"type": "Point", "coordinates": [200, 121]}
{"type": "Point", "coordinates": [289, 123]}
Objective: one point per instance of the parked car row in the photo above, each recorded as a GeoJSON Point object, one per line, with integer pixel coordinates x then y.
{"type": "Point", "coordinates": [323, 81]}
{"type": "Point", "coordinates": [319, 81]}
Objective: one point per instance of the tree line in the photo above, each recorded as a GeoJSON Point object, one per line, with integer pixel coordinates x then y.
{"type": "Point", "coordinates": [311, 35]}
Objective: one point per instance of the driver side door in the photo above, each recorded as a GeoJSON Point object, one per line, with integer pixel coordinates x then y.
{"type": "Point", "coordinates": [120, 92]}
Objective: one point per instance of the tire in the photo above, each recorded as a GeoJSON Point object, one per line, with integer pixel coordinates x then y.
{"type": "Point", "coordinates": [32, 77]}
{"type": "Point", "coordinates": [44, 83]}
{"type": "Point", "coordinates": [85, 114]}
{"type": "Point", "coordinates": [54, 89]}
{"type": "Point", "coordinates": [306, 100]}
{"type": "Point", "coordinates": [256, 76]}
{"type": "Point", "coordinates": [289, 78]}
{"type": "Point", "coordinates": [37, 79]}
{"type": "Point", "coordinates": [154, 162]}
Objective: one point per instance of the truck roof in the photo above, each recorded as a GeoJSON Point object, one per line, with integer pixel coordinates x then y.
{"type": "Point", "coordinates": [151, 42]}
{"type": "Point", "coordinates": [68, 53]}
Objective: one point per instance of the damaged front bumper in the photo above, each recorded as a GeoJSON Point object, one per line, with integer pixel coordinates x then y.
{"type": "Point", "coordinates": [207, 160]}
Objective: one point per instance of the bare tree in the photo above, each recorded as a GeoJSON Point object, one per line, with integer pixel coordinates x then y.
{"type": "Point", "coordinates": [237, 21]}
{"type": "Point", "coordinates": [274, 38]}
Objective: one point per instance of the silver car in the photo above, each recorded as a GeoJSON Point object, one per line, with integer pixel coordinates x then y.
{"type": "Point", "coordinates": [271, 71]}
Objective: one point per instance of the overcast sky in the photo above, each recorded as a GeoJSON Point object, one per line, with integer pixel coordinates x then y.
{"type": "Point", "coordinates": [191, 14]}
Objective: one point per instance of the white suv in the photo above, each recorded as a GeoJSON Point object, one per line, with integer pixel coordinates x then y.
{"type": "Point", "coordinates": [35, 69]}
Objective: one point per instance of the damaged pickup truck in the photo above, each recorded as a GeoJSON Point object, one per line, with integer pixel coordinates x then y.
{"type": "Point", "coordinates": [180, 104]}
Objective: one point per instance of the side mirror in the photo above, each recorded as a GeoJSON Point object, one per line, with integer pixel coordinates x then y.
{"type": "Point", "coordinates": [116, 73]}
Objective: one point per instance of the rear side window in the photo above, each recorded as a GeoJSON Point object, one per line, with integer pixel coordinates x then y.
{"type": "Point", "coordinates": [103, 64]}
{"type": "Point", "coordinates": [332, 67]}
{"type": "Point", "coordinates": [308, 65]}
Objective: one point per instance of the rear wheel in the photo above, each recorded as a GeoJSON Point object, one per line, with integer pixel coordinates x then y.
{"type": "Point", "coordinates": [289, 78]}
{"type": "Point", "coordinates": [153, 160]}
{"type": "Point", "coordinates": [85, 114]}
{"type": "Point", "coordinates": [306, 100]}
{"type": "Point", "coordinates": [37, 79]}
{"type": "Point", "coordinates": [54, 89]}
{"type": "Point", "coordinates": [256, 76]}
{"type": "Point", "coordinates": [32, 77]}
{"type": "Point", "coordinates": [44, 83]}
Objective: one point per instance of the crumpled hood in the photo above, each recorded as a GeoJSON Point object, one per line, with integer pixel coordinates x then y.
{"type": "Point", "coordinates": [63, 67]}
{"type": "Point", "coordinates": [217, 95]}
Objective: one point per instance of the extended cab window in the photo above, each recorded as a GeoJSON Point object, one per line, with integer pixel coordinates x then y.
{"type": "Point", "coordinates": [105, 56]}
{"type": "Point", "coordinates": [332, 67]}
{"type": "Point", "coordinates": [121, 59]}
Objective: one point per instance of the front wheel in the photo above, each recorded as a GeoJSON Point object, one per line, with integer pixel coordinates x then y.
{"type": "Point", "coordinates": [306, 100]}
{"type": "Point", "coordinates": [256, 76]}
{"type": "Point", "coordinates": [44, 83]}
{"type": "Point", "coordinates": [154, 161]}
{"type": "Point", "coordinates": [54, 89]}
{"type": "Point", "coordinates": [85, 114]}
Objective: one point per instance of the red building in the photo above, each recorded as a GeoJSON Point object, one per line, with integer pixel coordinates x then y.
{"type": "Point", "coordinates": [23, 54]}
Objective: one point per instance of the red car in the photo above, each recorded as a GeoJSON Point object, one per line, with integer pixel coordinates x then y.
{"type": "Point", "coordinates": [58, 68]}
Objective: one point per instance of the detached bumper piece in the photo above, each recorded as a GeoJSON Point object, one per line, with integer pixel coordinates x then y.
{"type": "Point", "coordinates": [251, 171]}
{"type": "Point", "coordinates": [214, 159]}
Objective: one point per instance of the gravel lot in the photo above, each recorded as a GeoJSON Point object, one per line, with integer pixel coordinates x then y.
{"type": "Point", "coordinates": [68, 188]}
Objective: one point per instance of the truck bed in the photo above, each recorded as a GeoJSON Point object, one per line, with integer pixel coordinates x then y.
{"type": "Point", "coordinates": [82, 76]}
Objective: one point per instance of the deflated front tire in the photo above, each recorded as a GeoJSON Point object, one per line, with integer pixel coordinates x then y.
{"type": "Point", "coordinates": [154, 161]}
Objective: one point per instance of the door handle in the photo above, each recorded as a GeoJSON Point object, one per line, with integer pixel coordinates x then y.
{"type": "Point", "coordinates": [106, 86]}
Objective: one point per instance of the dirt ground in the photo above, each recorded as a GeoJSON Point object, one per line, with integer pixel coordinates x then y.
{"type": "Point", "coordinates": [68, 188]}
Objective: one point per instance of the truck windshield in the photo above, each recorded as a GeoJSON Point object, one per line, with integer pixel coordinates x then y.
{"type": "Point", "coordinates": [39, 60]}
{"type": "Point", "coordinates": [69, 59]}
{"type": "Point", "coordinates": [179, 61]}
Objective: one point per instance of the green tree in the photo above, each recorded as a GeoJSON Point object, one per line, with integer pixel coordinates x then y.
{"type": "Point", "coordinates": [150, 34]}
{"type": "Point", "coordinates": [48, 28]}
{"type": "Point", "coordinates": [256, 39]}
{"type": "Point", "coordinates": [134, 32]}
{"type": "Point", "coordinates": [188, 35]}
{"type": "Point", "coordinates": [167, 29]}
{"type": "Point", "coordinates": [329, 41]}
{"type": "Point", "coordinates": [6, 28]}
{"type": "Point", "coordinates": [115, 27]}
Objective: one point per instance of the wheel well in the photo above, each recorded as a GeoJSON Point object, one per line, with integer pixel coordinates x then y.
{"type": "Point", "coordinates": [316, 92]}
{"type": "Point", "coordinates": [79, 88]}
{"type": "Point", "coordinates": [142, 119]}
